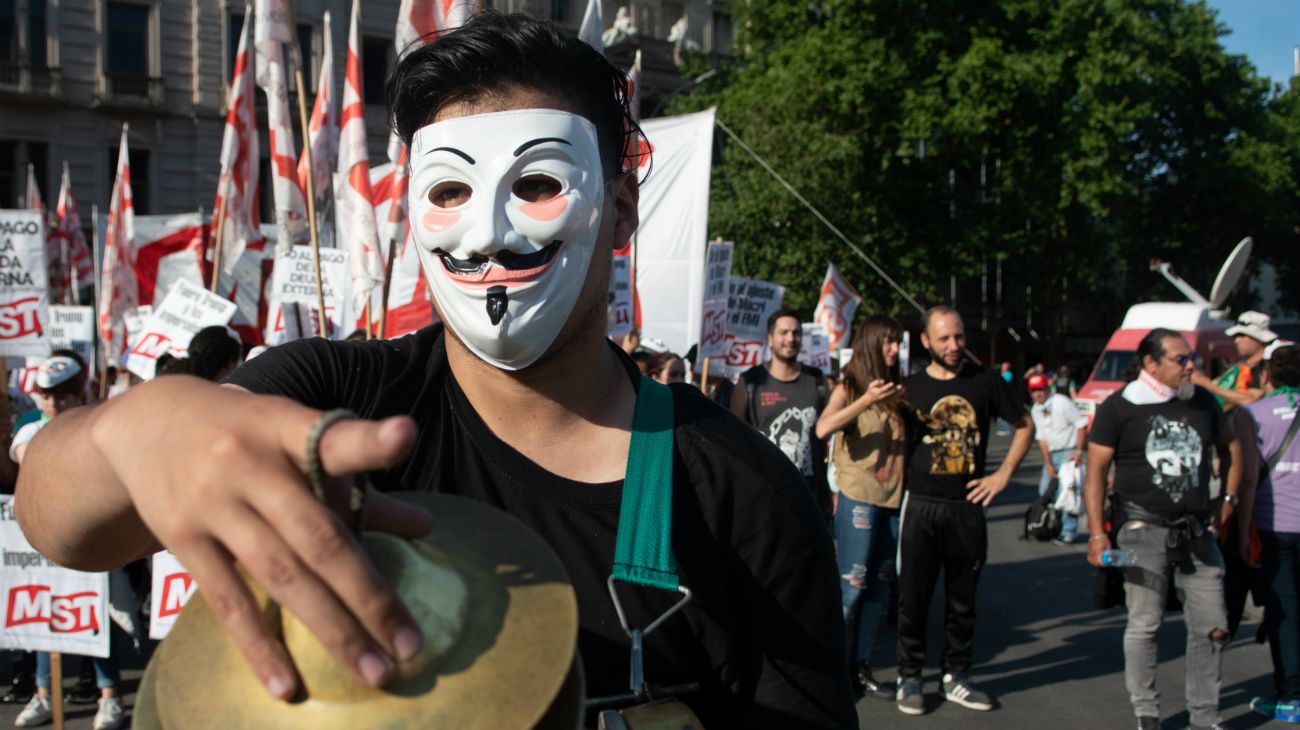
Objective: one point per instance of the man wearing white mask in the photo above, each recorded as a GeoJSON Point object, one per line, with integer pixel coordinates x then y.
{"type": "Point", "coordinates": [519, 194]}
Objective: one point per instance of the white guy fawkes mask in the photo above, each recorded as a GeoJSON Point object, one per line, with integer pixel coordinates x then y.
{"type": "Point", "coordinates": [505, 209]}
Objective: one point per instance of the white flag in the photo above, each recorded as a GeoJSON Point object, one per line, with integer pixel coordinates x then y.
{"type": "Point", "coordinates": [835, 307]}
{"type": "Point", "coordinates": [592, 27]}
{"type": "Point", "coordinates": [272, 33]}
{"type": "Point", "coordinates": [353, 200]}
{"type": "Point", "coordinates": [118, 290]}
{"type": "Point", "coordinates": [237, 189]}
{"type": "Point", "coordinates": [323, 129]}
{"type": "Point", "coordinates": [417, 21]}
{"type": "Point", "coordinates": [74, 267]}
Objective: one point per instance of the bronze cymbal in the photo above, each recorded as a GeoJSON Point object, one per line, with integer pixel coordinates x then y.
{"type": "Point", "coordinates": [500, 622]}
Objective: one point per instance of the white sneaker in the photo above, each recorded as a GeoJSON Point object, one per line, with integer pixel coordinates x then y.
{"type": "Point", "coordinates": [109, 715]}
{"type": "Point", "coordinates": [37, 712]}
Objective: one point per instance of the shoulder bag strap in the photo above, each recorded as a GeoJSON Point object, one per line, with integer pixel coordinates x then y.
{"type": "Point", "coordinates": [1286, 443]}
{"type": "Point", "coordinates": [643, 552]}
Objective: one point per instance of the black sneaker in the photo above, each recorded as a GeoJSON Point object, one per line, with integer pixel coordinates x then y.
{"type": "Point", "coordinates": [865, 685]}
{"type": "Point", "coordinates": [959, 688]}
{"type": "Point", "coordinates": [910, 699]}
{"type": "Point", "coordinates": [1148, 723]}
{"type": "Point", "coordinates": [82, 693]}
{"type": "Point", "coordinates": [22, 690]}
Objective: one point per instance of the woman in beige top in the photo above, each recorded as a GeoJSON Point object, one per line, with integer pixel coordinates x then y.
{"type": "Point", "coordinates": [867, 463]}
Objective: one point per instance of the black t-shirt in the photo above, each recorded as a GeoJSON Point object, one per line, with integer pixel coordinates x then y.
{"type": "Point", "coordinates": [786, 412]}
{"type": "Point", "coordinates": [764, 635]}
{"type": "Point", "coordinates": [948, 428]}
{"type": "Point", "coordinates": [1163, 451]}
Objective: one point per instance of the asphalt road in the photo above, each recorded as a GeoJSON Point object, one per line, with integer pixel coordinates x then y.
{"type": "Point", "coordinates": [1049, 659]}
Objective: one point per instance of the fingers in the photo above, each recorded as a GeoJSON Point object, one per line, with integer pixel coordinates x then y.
{"type": "Point", "coordinates": [234, 607]}
{"type": "Point", "coordinates": [392, 515]}
{"type": "Point", "coordinates": [354, 445]}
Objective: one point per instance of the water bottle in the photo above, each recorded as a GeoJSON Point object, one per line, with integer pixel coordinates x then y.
{"type": "Point", "coordinates": [1118, 558]}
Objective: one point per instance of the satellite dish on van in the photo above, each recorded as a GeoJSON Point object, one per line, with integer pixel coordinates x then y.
{"type": "Point", "coordinates": [1230, 275]}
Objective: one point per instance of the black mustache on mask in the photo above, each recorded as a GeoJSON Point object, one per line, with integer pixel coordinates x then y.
{"type": "Point", "coordinates": [506, 259]}
{"type": "Point", "coordinates": [496, 303]}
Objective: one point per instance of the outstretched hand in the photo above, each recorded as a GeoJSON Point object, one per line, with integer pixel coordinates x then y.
{"type": "Point", "coordinates": [226, 484]}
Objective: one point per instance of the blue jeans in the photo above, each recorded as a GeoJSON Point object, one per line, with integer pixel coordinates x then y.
{"type": "Point", "coordinates": [106, 671]}
{"type": "Point", "coordinates": [1069, 522]}
{"type": "Point", "coordinates": [1280, 561]}
{"type": "Point", "coordinates": [866, 537]}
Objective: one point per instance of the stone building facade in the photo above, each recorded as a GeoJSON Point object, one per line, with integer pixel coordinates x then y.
{"type": "Point", "coordinates": [72, 71]}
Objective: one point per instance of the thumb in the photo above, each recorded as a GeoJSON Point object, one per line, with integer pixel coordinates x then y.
{"type": "Point", "coordinates": [355, 445]}
{"type": "Point", "coordinates": [385, 513]}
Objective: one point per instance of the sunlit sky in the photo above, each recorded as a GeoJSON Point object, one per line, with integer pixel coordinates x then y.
{"type": "Point", "coordinates": [1265, 31]}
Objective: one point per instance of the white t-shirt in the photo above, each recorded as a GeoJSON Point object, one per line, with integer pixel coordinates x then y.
{"type": "Point", "coordinates": [24, 435]}
{"type": "Point", "coordinates": [1058, 421]}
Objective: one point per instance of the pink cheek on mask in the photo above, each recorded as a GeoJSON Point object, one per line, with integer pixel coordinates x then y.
{"type": "Point", "coordinates": [437, 221]}
{"type": "Point", "coordinates": [546, 210]}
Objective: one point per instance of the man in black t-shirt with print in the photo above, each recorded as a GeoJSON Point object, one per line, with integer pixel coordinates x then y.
{"type": "Point", "coordinates": [520, 192]}
{"type": "Point", "coordinates": [1161, 433]}
{"type": "Point", "coordinates": [783, 398]}
{"type": "Point", "coordinates": [949, 407]}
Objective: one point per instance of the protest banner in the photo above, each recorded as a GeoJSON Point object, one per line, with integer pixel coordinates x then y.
{"type": "Point", "coordinates": [172, 588]}
{"type": "Point", "coordinates": [836, 304]}
{"type": "Point", "coordinates": [48, 607]}
{"type": "Point", "coordinates": [816, 349]}
{"type": "Point", "coordinates": [717, 281]}
{"type": "Point", "coordinates": [294, 282]}
{"type": "Point", "coordinates": [24, 296]}
{"type": "Point", "coordinates": [186, 309]}
{"type": "Point", "coordinates": [71, 328]}
{"type": "Point", "coordinates": [905, 354]}
{"type": "Point", "coordinates": [750, 303]}
{"type": "Point", "coordinates": [620, 296]}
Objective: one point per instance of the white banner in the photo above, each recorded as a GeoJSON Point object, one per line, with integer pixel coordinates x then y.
{"type": "Point", "coordinates": [717, 290]}
{"type": "Point", "coordinates": [816, 348]}
{"type": "Point", "coordinates": [670, 243]}
{"type": "Point", "coordinates": [751, 302]}
{"type": "Point", "coordinates": [172, 588]}
{"type": "Point", "coordinates": [620, 296]}
{"type": "Point", "coordinates": [71, 328]}
{"type": "Point", "coordinates": [185, 310]}
{"type": "Point", "coordinates": [46, 607]}
{"type": "Point", "coordinates": [294, 282]}
{"type": "Point", "coordinates": [905, 354]}
{"type": "Point", "coordinates": [24, 296]}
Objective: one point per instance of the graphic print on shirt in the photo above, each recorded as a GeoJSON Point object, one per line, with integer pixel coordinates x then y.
{"type": "Point", "coordinates": [1173, 449]}
{"type": "Point", "coordinates": [792, 430]}
{"type": "Point", "coordinates": [953, 435]}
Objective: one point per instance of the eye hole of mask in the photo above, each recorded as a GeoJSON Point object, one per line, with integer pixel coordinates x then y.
{"type": "Point", "coordinates": [536, 188]}
{"type": "Point", "coordinates": [450, 194]}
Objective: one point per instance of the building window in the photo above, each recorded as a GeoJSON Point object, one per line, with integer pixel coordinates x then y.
{"type": "Point", "coordinates": [126, 64]}
{"type": "Point", "coordinates": [560, 11]}
{"type": "Point", "coordinates": [234, 27]}
{"type": "Point", "coordinates": [141, 201]}
{"type": "Point", "coordinates": [36, 42]}
{"type": "Point", "coordinates": [8, 174]}
{"type": "Point", "coordinates": [721, 33]}
{"type": "Point", "coordinates": [374, 67]}
{"type": "Point", "coordinates": [14, 157]}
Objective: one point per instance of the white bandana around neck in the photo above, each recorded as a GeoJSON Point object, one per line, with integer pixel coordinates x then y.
{"type": "Point", "coordinates": [1146, 390]}
{"type": "Point", "coordinates": [505, 209]}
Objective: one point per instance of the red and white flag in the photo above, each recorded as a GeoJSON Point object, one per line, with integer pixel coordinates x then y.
{"type": "Point", "coordinates": [75, 268]}
{"type": "Point", "coordinates": [353, 199]}
{"type": "Point", "coordinates": [118, 290]}
{"type": "Point", "coordinates": [239, 154]}
{"type": "Point", "coordinates": [272, 35]}
{"type": "Point", "coordinates": [592, 27]}
{"type": "Point", "coordinates": [417, 21]}
{"type": "Point", "coordinates": [835, 308]}
{"type": "Point", "coordinates": [323, 128]}
{"type": "Point", "coordinates": [34, 200]}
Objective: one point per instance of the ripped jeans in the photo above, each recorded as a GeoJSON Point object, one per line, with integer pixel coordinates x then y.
{"type": "Point", "coordinates": [1146, 585]}
{"type": "Point", "coordinates": [865, 540]}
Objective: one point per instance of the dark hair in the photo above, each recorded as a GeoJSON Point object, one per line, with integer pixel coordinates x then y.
{"type": "Point", "coordinates": [72, 386]}
{"type": "Point", "coordinates": [493, 52]}
{"type": "Point", "coordinates": [778, 314]}
{"type": "Point", "coordinates": [1152, 346]}
{"type": "Point", "coordinates": [212, 350]}
{"type": "Point", "coordinates": [659, 361]}
{"type": "Point", "coordinates": [933, 312]}
{"type": "Point", "coordinates": [868, 360]}
{"type": "Point", "coordinates": [1284, 367]}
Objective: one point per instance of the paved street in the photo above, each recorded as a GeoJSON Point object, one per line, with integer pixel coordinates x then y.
{"type": "Point", "coordinates": [1040, 649]}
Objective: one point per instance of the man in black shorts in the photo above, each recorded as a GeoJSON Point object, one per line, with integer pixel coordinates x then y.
{"type": "Point", "coordinates": [519, 194]}
{"type": "Point", "coordinates": [942, 524]}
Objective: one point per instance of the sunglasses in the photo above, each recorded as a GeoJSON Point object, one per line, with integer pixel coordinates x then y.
{"type": "Point", "coordinates": [1183, 360]}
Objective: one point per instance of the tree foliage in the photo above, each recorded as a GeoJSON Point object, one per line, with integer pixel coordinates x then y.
{"type": "Point", "coordinates": [1070, 140]}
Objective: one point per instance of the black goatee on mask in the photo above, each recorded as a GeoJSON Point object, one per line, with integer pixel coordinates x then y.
{"type": "Point", "coordinates": [496, 303]}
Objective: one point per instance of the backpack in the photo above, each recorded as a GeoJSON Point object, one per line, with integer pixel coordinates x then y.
{"type": "Point", "coordinates": [1042, 520]}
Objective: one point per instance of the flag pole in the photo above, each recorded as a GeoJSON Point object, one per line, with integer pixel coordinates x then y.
{"type": "Point", "coordinates": [221, 224]}
{"type": "Point", "coordinates": [704, 378]}
{"type": "Point", "coordinates": [98, 261]}
{"type": "Point", "coordinates": [311, 197]}
{"type": "Point", "coordinates": [388, 284]}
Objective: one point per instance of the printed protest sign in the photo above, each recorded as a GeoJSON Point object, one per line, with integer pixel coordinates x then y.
{"type": "Point", "coordinates": [47, 607]}
{"type": "Point", "coordinates": [816, 349]}
{"type": "Point", "coordinates": [24, 297]}
{"type": "Point", "coordinates": [294, 282]}
{"type": "Point", "coordinates": [71, 328]}
{"type": "Point", "coordinates": [172, 588]}
{"type": "Point", "coordinates": [185, 310]}
{"type": "Point", "coordinates": [751, 302]}
{"type": "Point", "coordinates": [717, 282]}
{"type": "Point", "coordinates": [620, 296]}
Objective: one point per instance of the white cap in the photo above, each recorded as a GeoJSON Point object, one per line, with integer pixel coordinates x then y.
{"type": "Point", "coordinates": [56, 371]}
{"type": "Point", "coordinates": [1253, 325]}
{"type": "Point", "coordinates": [1274, 346]}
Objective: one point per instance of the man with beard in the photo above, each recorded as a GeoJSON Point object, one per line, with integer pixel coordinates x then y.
{"type": "Point", "coordinates": [942, 526]}
{"type": "Point", "coordinates": [782, 398]}
{"type": "Point", "coordinates": [520, 192]}
{"type": "Point", "coordinates": [1160, 432]}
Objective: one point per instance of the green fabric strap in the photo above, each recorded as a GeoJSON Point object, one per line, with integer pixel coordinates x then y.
{"type": "Point", "coordinates": [643, 553]}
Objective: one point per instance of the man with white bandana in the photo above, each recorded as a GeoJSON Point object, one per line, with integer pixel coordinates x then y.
{"type": "Point", "coordinates": [519, 195]}
{"type": "Point", "coordinates": [1161, 433]}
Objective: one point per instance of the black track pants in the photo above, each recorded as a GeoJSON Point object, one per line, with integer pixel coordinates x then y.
{"type": "Point", "coordinates": [936, 534]}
